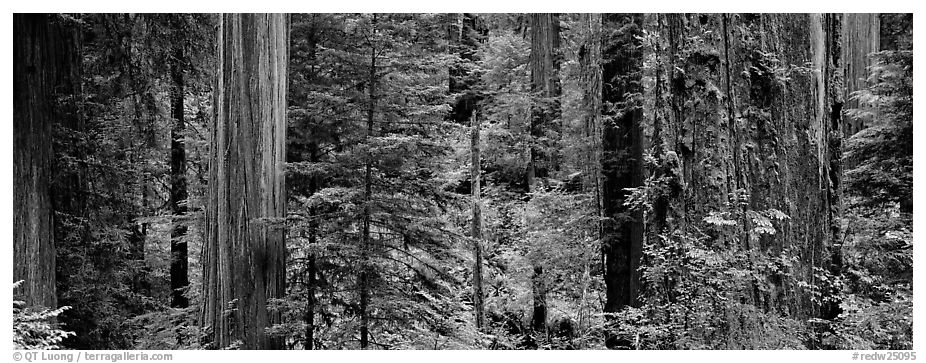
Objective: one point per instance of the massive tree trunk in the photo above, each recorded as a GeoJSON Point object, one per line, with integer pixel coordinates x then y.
{"type": "Point", "coordinates": [621, 162]}
{"type": "Point", "coordinates": [179, 274]}
{"type": "Point", "coordinates": [244, 254]}
{"type": "Point", "coordinates": [861, 37]}
{"type": "Point", "coordinates": [590, 62]}
{"type": "Point", "coordinates": [41, 75]}
{"type": "Point", "coordinates": [744, 118]}
{"type": "Point", "coordinates": [828, 30]}
{"type": "Point", "coordinates": [789, 136]}
{"type": "Point", "coordinates": [545, 85]}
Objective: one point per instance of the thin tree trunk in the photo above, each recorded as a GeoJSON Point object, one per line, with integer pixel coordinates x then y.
{"type": "Point", "coordinates": [310, 300]}
{"type": "Point", "coordinates": [307, 185]}
{"type": "Point", "coordinates": [368, 196]}
{"type": "Point", "coordinates": [313, 239]}
{"type": "Point", "coordinates": [476, 172]}
{"type": "Point", "coordinates": [539, 293]}
{"type": "Point", "coordinates": [179, 268]}
{"type": "Point", "coordinates": [244, 252]}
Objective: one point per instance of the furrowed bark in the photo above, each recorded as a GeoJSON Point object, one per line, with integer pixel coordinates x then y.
{"type": "Point", "coordinates": [755, 110]}
{"type": "Point", "coordinates": [544, 63]}
{"type": "Point", "coordinates": [545, 85]}
{"type": "Point", "coordinates": [37, 72]}
{"type": "Point", "coordinates": [861, 37]}
{"type": "Point", "coordinates": [621, 163]}
{"type": "Point", "coordinates": [244, 252]}
{"type": "Point", "coordinates": [590, 58]}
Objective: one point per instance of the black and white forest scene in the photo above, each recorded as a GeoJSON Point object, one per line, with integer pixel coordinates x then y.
{"type": "Point", "coordinates": [462, 181]}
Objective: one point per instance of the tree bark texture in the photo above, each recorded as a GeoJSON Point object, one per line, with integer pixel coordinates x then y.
{"type": "Point", "coordinates": [590, 60]}
{"type": "Point", "coordinates": [861, 37]}
{"type": "Point", "coordinates": [244, 252]}
{"type": "Point", "coordinates": [621, 161]}
{"type": "Point", "coordinates": [545, 86]}
{"type": "Point", "coordinates": [754, 115]}
{"type": "Point", "coordinates": [42, 75]}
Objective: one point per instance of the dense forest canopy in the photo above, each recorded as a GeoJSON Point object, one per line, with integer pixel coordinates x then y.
{"type": "Point", "coordinates": [463, 181]}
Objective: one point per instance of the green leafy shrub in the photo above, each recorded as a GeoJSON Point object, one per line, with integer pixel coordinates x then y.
{"type": "Point", "coordinates": [168, 329]}
{"type": "Point", "coordinates": [876, 282]}
{"type": "Point", "coordinates": [36, 329]}
{"type": "Point", "coordinates": [707, 286]}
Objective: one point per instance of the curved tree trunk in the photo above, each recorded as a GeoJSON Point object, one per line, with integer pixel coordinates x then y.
{"type": "Point", "coordinates": [244, 252]}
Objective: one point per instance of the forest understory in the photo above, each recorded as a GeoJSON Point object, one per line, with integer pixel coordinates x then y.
{"type": "Point", "coordinates": [463, 181]}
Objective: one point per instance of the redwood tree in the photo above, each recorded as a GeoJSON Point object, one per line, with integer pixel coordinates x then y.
{"type": "Point", "coordinates": [37, 53]}
{"type": "Point", "coordinates": [860, 38]}
{"type": "Point", "coordinates": [545, 86]}
{"type": "Point", "coordinates": [747, 123]}
{"type": "Point", "coordinates": [244, 252]}
{"type": "Point", "coordinates": [621, 161]}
